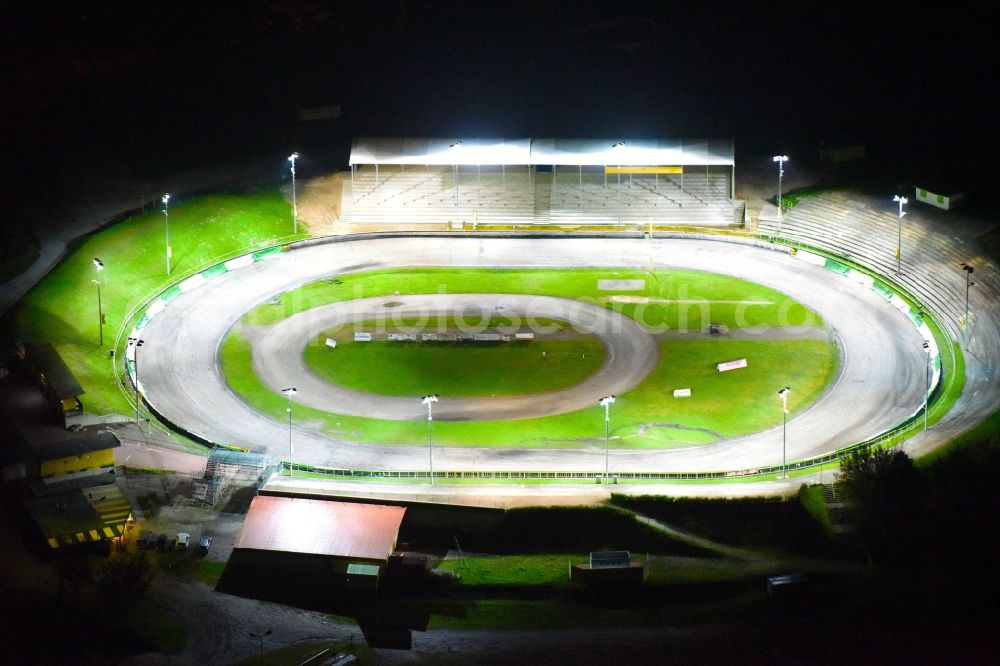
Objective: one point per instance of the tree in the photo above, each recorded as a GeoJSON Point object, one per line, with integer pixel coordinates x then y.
{"type": "Point", "coordinates": [886, 492]}
{"type": "Point", "coordinates": [124, 580]}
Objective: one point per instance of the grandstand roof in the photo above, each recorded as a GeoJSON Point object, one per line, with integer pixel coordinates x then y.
{"type": "Point", "coordinates": [575, 152]}
{"type": "Point", "coordinates": [390, 150]}
{"type": "Point", "coordinates": [321, 527]}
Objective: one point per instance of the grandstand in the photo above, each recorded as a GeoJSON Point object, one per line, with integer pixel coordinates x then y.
{"type": "Point", "coordinates": [563, 182]}
{"type": "Point", "coordinates": [857, 227]}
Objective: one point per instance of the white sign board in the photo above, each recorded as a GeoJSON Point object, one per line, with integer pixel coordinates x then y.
{"type": "Point", "coordinates": [524, 336]}
{"type": "Point", "coordinates": [487, 336]}
{"type": "Point", "coordinates": [330, 342]}
{"type": "Point", "coordinates": [682, 393]}
{"type": "Point", "coordinates": [428, 336]}
{"type": "Point", "coordinates": [403, 336]}
{"type": "Point", "coordinates": [732, 365]}
{"type": "Point", "coordinates": [362, 337]}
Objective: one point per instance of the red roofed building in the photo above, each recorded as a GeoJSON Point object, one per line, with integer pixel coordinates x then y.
{"type": "Point", "coordinates": [319, 537]}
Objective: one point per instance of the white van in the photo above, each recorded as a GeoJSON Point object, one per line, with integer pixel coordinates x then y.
{"type": "Point", "coordinates": [183, 539]}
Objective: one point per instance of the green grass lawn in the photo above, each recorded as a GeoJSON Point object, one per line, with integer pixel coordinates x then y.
{"type": "Point", "coordinates": [456, 368]}
{"type": "Point", "coordinates": [680, 299]}
{"type": "Point", "coordinates": [62, 308]}
{"type": "Point", "coordinates": [513, 569]}
{"type": "Point", "coordinates": [722, 404]}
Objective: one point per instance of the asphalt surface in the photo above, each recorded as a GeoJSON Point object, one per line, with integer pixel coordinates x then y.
{"type": "Point", "coordinates": [881, 380]}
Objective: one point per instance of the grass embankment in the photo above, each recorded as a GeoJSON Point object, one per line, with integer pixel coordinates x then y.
{"type": "Point", "coordinates": [62, 308]}
{"type": "Point", "coordinates": [782, 525]}
{"type": "Point", "coordinates": [723, 405]}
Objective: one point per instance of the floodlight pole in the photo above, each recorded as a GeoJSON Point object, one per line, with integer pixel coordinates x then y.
{"type": "Point", "coordinates": [606, 402]}
{"type": "Point", "coordinates": [969, 270]}
{"type": "Point", "coordinates": [166, 220]}
{"type": "Point", "coordinates": [456, 146]}
{"type": "Point", "coordinates": [927, 379]}
{"type": "Point", "coordinates": [295, 207]}
{"type": "Point", "coordinates": [99, 266]}
{"type": "Point", "coordinates": [899, 235]}
{"type": "Point", "coordinates": [289, 392]}
{"type": "Point", "coordinates": [780, 160]}
{"type": "Point", "coordinates": [136, 343]}
{"type": "Point", "coordinates": [429, 400]}
{"type": "Point", "coordinates": [784, 430]}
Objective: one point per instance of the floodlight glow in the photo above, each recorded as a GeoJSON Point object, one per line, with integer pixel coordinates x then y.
{"type": "Point", "coordinates": [784, 397]}
{"type": "Point", "coordinates": [98, 264]}
{"type": "Point", "coordinates": [293, 157]}
{"type": "Point", "coordinates": [606, 400]}
{"type": "Point", "coordinates": [290, 391]}
{"type": "Point", "coordinates": [166, 199]}
{"type": "Point", "coordinates": [616, 146]}
{"type": "Point", "coordinates": [457, 144]}
{"type": "Point", "coordinates": [780, 158]}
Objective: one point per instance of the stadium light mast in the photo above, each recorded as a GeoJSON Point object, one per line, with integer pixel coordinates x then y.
{"type": "Point", "coordinates": [969, 270]}
{"type": "Point", "coordinates": [99, 266]}
{"type": "Point", "coordinates": [899, 236]}
{"type": "Point", "coordinates": [289, 392]}
{"type": "Point", "coordinates": [618, 148]}
{"type": "Point", "coordinates": [606, 403]}
{"type": "Point", "coordinates": [927, 379]}
{"type": "Point", "coordinates": [136, 343]}
{"type": "Point", "coordinates": [295, 207]}
{"type": "Point", "coordinates": [783, 393]}
{"type": "Point", "coordinates": [166, 220]}
{"type": "Point", "coordinates": [455, 146]}
{"type": "Point", "coordinates": [429, 400]}
{"type": "Point", "coordinates": [780, 160]}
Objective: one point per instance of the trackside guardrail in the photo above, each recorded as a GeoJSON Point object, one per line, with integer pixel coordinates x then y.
{"type": "Point", "coordinates": [894, 293]}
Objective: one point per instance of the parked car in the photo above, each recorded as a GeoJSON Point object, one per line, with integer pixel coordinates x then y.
{"type": "Point", "coordinates": [183, 539]}
{"type": "Point", "coordinates": [204, 544]}
{"type": "Point", "coordinates": [162, 543]}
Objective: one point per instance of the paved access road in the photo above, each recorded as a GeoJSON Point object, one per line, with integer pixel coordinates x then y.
{"type": "Point", "coordinates": [881, 381]}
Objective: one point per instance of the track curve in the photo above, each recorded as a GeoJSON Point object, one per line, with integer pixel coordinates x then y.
{"type": "Point", "coordinates": [630, 355]}
{"type": "Point", "coordinates": [882, 376]}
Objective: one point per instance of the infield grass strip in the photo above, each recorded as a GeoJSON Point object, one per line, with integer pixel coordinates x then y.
{"type": "Point", "coordinates": [722, 405]}
{"type": "Point", "coordinates": [679, 299]}
{"type": "Point", "coordinates": [456, 368]}
{"type": "Point", "coordinates": [62, 308]}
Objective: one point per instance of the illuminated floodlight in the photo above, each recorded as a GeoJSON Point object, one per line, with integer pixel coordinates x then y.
{"type": "Point", "coordinates": [780, 161]}
{"type": "Point", "coordinates": [606, 403]}
{"type": "Point", "coordinates": [783, 393]}
{"type": "Point", "coordinates": [98, 264]}
{"type": "Point", "coordinates": [899, 232]}
{"type": "Point", "coordinates": [457, 144]}
{"type": "Point", "coordinates": [166, 221]}
{"type": "Point", "coordinates": [288, 393]}
{"type": "Point", "coordinates": [295, 205]}
{"type": "Point", "coordinates": [429, 401]}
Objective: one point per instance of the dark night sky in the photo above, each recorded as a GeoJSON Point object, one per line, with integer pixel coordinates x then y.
{"type": "Point", "coordinates": [166, 85]}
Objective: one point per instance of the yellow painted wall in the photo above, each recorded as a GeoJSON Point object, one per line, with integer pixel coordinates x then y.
{"type": "Point", "coordinates": [72, 464]}
{"type": "Point", "coordinates": [644, 169]}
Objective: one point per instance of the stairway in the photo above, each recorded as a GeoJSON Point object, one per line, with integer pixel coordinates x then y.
{"type": "Point", "coordinates": [839, 510]}
{"type": "Point", "coordinates": [543, 197]}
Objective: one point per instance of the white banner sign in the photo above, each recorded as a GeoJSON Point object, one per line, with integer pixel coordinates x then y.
{"type": "Point", "coordinates": [330, 342]}
{"type": "Point", "coordinates": [732, 365]}
{"type": "Point", "coordinates": [362, 337]}
{"type": "Point", "coordinates": [682, 393]}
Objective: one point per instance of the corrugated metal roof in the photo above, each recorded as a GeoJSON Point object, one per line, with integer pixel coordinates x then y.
{"type": "Point", "coordinates": [321, 527]}
{"type": "Point", "coordinates": [46, 360]}
{"type": "Point", "coordinates": [560, 152]}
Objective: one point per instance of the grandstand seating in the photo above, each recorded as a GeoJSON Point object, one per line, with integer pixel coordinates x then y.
{"type": "Point", "coordinates": [858, 228]}
{"type": "Point", "coordinates": [567, 197]}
